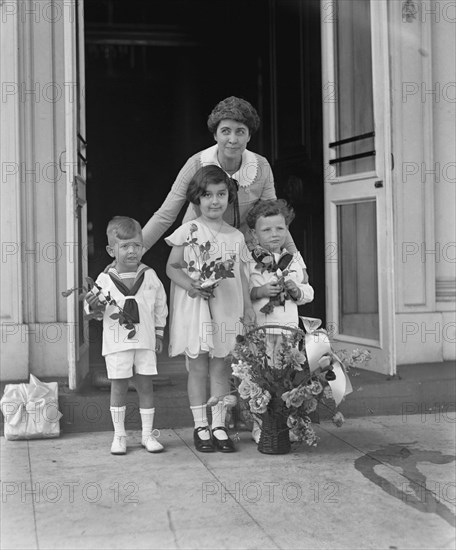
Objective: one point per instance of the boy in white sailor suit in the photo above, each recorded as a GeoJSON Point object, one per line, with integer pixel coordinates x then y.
{"type": "Point", "coordinates": [130, 343]}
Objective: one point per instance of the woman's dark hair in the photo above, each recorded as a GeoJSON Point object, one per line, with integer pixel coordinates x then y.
{"type": "Point", "coordinates": [234, 108]}
{"type": "Point", "coordinates": [206, 175]}
{"type": "Point", "coordinates": [264, 209]}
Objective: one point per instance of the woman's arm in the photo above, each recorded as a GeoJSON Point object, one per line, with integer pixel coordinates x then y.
{"type": "Point", "coordinates": [165, 216]}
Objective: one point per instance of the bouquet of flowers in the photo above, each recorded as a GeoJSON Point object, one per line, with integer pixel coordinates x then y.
{"type": "Point", "coordinates": [265, 261]}
{"type": "Point", "coordinates": [208, 272]}
{"type": "Point", "coordinates": [290, 379]}
{"type": "Point", "coordinates": [121, 315]}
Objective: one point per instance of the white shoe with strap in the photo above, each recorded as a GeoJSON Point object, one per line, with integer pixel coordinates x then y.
{"type": "Point", "coordinates": [151, 444]}
{"type": "Point", "coordinates": [119, 445]}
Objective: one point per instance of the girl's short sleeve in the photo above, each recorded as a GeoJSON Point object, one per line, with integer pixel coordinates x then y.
{"type": "Point", "coordinates": [178, 237]}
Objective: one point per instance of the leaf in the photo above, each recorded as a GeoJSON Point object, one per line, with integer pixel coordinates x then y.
{"type": "Point", "coordinates": [113, 302]}
{"type": "Point", "coordinates": [115, 316]}
{"type": "Point", "coordinates": [129, 326]}
{"type": "Point", "coordinates": [208, 245]}
{"type": "Point", "coordinates": [191, 269]}
{"type": "Point", "coordinates": [131, 334]}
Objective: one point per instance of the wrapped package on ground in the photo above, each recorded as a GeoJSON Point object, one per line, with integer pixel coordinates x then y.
{"type": "Point", "coordinates": [31, 410]}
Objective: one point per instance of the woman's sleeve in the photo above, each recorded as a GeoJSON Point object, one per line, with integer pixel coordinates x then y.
{"type": "Point", "coordinates": [165, 216]}
{"type": "Point", "coordinates": [268, 192]}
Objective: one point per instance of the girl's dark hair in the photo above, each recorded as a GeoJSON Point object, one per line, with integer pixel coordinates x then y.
{"type": "Point", "coordinates": [206, 175]}
{"type": "Point", "coordinates": [270, 208]}
{"type": "Point", "coordinates": [234, 108]}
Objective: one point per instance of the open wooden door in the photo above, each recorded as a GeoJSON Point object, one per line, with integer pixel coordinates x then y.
{"type": "Point", "coordinates": [73, 163]}
{"type": "Point", "coordinates": [358, 182]}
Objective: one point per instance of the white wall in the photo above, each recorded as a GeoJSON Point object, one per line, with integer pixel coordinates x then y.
{"type": "Point", "coordinates": [33, 191]}
{"type": "Point", "coordinates": [422, 51]}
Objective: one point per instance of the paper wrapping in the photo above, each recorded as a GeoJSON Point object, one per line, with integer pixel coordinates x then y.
{"type": "Point", "coordinates": [317, 345]}
{"type": "Point", "coordinates": [31, 410]}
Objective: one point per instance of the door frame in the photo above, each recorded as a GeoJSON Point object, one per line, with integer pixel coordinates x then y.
{"type": "Point", "coordinates": [74, 166]}
{"type": "Point", "coordinates": [375, 185]}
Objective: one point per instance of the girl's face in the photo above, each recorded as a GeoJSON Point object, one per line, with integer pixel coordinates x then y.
{"type": "Point", "coordinates": [214, 201]}
{"type": "Point", "coordinates": [232, 138]}
{"type": "Point", "coordinates": [271, 232]}
{"type": "Point", "coordinates": [128, 253]}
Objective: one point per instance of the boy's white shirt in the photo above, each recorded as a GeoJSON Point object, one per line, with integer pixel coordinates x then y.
{"type": "Point", "coordinates": [281, 314]}
{"type": "Point", "coordinates": [153, 312]}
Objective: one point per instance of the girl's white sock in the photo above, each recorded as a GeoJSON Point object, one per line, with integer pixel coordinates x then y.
{"type": "Point", "coordinates": [199, 413]}
{"type": "Point", "coordinates": [218, 419]}
{"type": "Point", "coordinates": [118, 420]}
{"type": "Point", "coordinates": [147, 421]}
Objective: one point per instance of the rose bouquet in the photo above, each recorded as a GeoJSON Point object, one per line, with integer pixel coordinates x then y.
{"type": "Point", "coordinates": [208, 272]}
{"type": "Point", "coordinates": [265, 261]}
{"type": "Point", "coordinates": [120, 315]}
{"type": "Point", "coordinates": [286, 373]}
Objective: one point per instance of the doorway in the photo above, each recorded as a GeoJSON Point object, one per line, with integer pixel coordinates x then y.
{"type": "Point", "coordinates": [154, 71]}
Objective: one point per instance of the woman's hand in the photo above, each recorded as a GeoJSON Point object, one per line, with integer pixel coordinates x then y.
{"type": "Point", "coordinates": [197, 291]}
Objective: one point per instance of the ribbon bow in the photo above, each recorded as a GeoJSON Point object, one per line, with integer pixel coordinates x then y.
{"type": "Point", "coordinates": [317, 344]}
{"type": "Point", "coordinates": [21, 401]}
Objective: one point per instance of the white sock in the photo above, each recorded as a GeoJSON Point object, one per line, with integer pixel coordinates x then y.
{"type": "Point", "coordinates": [218, 419]}
{"type": "Point", "coordinates": [200, 418]}
{"type": "Point", "coordinates": [118, 420]}
{"type": "Point", "coordinates": [147, 422]}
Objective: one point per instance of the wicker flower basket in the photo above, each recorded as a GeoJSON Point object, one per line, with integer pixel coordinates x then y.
{"type": "Point", "coordinates": [275, 439]}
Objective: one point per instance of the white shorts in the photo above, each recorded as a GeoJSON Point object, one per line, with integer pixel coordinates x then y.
{"type": "Point", "coordinates": [124, 364]}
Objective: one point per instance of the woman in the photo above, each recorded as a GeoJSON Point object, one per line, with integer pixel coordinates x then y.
{"type": "Point", "coordinates": [232, 123]}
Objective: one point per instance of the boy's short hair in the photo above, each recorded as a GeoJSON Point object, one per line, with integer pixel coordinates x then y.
{"type": "Point", "coordinates": [122, 227]}
{"type": "Point", "coordinates": [270, 208]}
{"type": "Point", "coordinates": [205, 176]}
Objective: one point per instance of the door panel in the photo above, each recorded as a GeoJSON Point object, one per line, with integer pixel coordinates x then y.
{"type": "Point", "coordinates": [358, 193]}
{"type": "Point", "coordinates": [296, 131]}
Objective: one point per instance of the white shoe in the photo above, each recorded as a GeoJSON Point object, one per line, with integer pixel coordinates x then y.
{"type": "Point", "coordinates": [119, 445]}
{"type": "Point", "coordinates": [151, 444]}
{"type": "Point", "coordinates": [256, 433]}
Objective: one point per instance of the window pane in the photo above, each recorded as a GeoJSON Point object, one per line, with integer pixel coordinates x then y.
{"type": "Point", "coordinates": [358, 275]}
{"type": "Point", "coordinates": [355, 112]}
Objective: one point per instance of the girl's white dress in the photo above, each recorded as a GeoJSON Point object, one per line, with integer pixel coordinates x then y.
{"type": "Point", "coordinates": [198, 325]}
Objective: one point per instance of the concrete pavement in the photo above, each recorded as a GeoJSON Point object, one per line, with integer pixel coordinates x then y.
{"type": "Point", "coordinates": [378, 482]}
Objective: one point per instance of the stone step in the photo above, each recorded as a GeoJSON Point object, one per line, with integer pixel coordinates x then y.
{"type": "Point", "coordinates": [427, 389]}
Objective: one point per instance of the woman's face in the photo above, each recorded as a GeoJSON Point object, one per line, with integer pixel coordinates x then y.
{"type": "Point", "coordinates": [232, 138]}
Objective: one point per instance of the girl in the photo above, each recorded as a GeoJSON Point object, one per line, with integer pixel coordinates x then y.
{"type": "Point", "coordinates": [206, 309]}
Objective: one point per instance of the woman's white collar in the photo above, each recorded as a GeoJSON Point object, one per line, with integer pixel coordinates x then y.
{"type": "Point", "coordinates": [246, 174]}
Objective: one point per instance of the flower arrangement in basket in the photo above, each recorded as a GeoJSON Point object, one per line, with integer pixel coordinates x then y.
{"type": "Point", "coordinates": [285, 373]}
{"type": "Point", "coordinates": [208, 273]}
